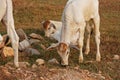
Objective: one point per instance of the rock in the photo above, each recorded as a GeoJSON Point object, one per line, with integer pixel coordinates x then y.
{"type": "Point", "coordinates": [24, 64]}
{"type": "Point", "coordinates": [32, 41]}
{"type": "Point", "coordinates": [22, 35]}
{"type": "Point", "coordinates": [23, 45]}
{"type": "Point", "coordinates": [31, 51]}
{"type": "Point", "coordinates": [41, 78]}
{"type": "Point", "coordinates": [36, 36]}
{"type": "Point", "coordinates": [40, 61]}
{"type": "Point", "coordinates": [102, 77]}
{"type": "Point", "coordinates": [34, 66]}
{"type": "Point", "coordinates": [53, 61]}
{"type": "Point", "coordinates": [7, 51]}
{"type": "Point", "coordinates": [76, 68]}
{"type": "Point", "coordinates": [116, 57]}
{"type": "Point", "coordinates": [42, 46]}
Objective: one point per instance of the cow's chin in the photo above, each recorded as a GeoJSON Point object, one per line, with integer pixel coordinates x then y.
{"type": "Point", "coordinates": [64, 62]}
{"type": "Point", "coordinates": [64, 58]}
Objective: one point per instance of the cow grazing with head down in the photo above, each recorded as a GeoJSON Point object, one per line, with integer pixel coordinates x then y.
{"type": "Point", "coordinates": [6, 17]}
{"type": "Point", "coordinates": [75, 18]}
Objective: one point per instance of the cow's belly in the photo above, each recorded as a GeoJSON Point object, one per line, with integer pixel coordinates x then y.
{"type": "Point", "coordinates": [74, 39]}
{"type": "Point", "coordinates": [2, 8]}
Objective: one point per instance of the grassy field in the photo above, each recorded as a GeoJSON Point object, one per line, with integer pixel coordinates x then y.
{"type": "Point", "coordinates": [28, 15]}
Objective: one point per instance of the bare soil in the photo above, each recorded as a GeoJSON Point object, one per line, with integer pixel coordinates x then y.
{"type": "Point", "coordinates": [9, 72]}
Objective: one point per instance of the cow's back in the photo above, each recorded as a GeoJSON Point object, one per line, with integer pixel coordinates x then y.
{"type": "Point", "coordinates": [77, 9]}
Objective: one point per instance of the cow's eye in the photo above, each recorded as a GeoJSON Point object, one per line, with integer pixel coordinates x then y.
{"type": "Point", "coordinates": [49, 28]}
{"type": "Point", "coordinates": [53, 32]}
{"type": "Point", "coordinates": [67, 52]}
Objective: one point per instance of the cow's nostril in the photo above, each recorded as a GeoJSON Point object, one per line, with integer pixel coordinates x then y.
{"type": "Point", "coordinates": [64, 66]}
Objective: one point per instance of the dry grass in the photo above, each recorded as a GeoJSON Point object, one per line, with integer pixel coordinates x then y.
{"type": "Point", "coordinates": [29, 13]}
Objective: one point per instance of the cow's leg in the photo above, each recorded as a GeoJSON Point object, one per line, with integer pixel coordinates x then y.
{"type": "Point", "coordinates": [80, 41]}
{"type": "Point", "coordinates": [97, 36]}
{"type": "Point", "coordinates": [88, 29]}
{"type": "Point", "coordinates": [9, 23]}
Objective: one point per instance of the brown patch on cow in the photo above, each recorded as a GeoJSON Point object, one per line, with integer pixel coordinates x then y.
{"type": "Point", "coordinates": [62, 47]}
{"type": "Point", "coordinates": [45, 24]}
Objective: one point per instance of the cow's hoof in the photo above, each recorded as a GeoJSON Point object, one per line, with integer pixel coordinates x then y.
{"type": "Point", "coordinates": [98, 58]}
{"type": "Point", "coordinates": [16, 64]}
{"type": "Point", "coordinates": [87, 51]}
{"type": "Point", "coordinates": [80, 59]}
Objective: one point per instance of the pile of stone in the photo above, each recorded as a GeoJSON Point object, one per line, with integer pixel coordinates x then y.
{"type": "Point", "coordinates": [25, 44]}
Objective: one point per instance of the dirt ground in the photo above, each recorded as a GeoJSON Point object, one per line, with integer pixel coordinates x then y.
{"type": "Point", "coordinates": [42, 72]}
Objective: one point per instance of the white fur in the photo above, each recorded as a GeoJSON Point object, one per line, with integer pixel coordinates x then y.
{"type": "Point", "coordinates": [6, 16]}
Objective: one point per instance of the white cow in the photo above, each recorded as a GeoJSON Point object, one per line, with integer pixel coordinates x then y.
{"type": "Point", "coordinates": [75, 15]}
{"type": "Point", "coordinates": [6, 17]}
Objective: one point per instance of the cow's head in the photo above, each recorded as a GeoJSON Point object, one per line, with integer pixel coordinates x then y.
{"type": "Point", "coordinates": [63, 50]}
{"type": "Point", "coordinates": [49, 28]}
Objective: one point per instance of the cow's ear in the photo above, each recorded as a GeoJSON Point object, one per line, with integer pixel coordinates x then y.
{"type": "Point", "coordinates": [53, 46]}
{"type": "Point", "coordinates": [62, 47]}
{"type": "Point", "coordinates": [75, 47]}
{"type": "Point", "coordinates": [45, 24]}
{"type": "Point", "coordinates": [52, 25]}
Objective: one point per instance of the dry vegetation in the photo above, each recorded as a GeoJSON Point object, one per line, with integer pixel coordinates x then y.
{"type": "Point", "coordinates": [29, 13]}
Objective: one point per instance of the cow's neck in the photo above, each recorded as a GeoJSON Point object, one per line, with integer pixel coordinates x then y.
{"type": "Point", "coordinates": [65, 35]}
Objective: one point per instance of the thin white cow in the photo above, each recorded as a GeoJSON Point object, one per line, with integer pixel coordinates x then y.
{"type": "Point", "coordinates": [6, 17]}
{"type": "Point", "coordinates": [75, 15]}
